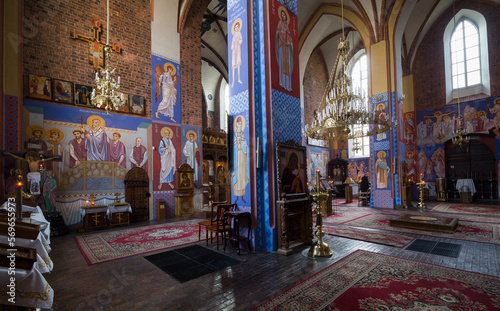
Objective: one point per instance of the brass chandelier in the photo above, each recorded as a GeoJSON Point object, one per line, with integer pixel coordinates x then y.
{"type": "Point", "coordinates": [460, 137]}
{"type": "Point", "coordinates": [341, 107]}
{"type": "Point", "coordinates": [107, 86]}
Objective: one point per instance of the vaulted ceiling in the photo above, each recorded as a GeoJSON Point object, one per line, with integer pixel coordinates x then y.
{"type": "Point", "coordinates": [320, 27]}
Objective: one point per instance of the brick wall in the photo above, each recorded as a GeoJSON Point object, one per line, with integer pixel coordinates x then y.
{"type": "Point", "coordinates": [428, 67]}
{"type": "Point", "coordinates": [191, 88]}
{"type": "Point", "coordinates": [49, 51]}
{"type": "Point", "coordinates": [315, 80]}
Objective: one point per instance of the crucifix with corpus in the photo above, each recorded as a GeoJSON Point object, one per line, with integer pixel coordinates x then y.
{"type": "Point", "coordinates": [35, 166]}
{"type": "Point", "coordinates": [96, 47]}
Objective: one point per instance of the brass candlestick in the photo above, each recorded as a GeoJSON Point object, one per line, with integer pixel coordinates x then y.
{"type": "Point", "coordinates": [319, 248]}
{"type": "Point", "coordinates": [421, 204]}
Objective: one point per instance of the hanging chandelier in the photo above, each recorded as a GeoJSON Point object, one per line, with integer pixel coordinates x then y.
{"type": "Point", "coordinates": [460, 137]}
{"type": "Point", "coordinates": [341, 107]}
{"type": "Point", "coordinates": [106, 84]}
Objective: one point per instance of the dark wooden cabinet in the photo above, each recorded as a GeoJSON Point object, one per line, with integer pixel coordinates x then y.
{"type": "Point", "coordinates": [216, 179]}
{"type": "Point", "coordinates": [294, 222]}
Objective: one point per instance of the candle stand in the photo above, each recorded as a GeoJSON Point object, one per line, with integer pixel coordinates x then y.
{"type": "Point", "coordinates": [421, 204]}
{"type": "Point", "coordinates": [319, 248]}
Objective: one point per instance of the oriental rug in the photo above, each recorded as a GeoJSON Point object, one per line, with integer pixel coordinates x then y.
{"type": "Point", "coordinates": [342, 216]}
{"type": "Point", "coordinates": [467, 230]}
{"type": "Point", "coordinates": [471, 209]}
{"type": "Point", "coordinates": [116, 244]}
{"type": "Point", "coordinates": [371, 281]}
{"type": "Point", "coordinates": [367, 235]}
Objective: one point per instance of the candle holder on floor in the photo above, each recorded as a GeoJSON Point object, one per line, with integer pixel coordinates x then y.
{"type": "Point", "coordinates": [421, 204]}
{"type": "Point", "coordinates": [319, 248]}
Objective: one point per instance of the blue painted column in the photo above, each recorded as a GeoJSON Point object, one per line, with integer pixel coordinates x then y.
{"type": "Point", "coordinates": [264, 105]}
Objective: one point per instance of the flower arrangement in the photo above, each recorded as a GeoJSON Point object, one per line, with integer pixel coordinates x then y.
{"type": "Point", "coordinates": [333, 187]}
{"type": "Point", "coordinates": [312, 188]}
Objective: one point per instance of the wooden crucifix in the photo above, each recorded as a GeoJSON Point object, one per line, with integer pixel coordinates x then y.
{"type": "Point", "coordinates": [117, 197]}
{"type": "Point", "coordinates": [35, 165]}
{"type": "Point", "coordinates": [96, 47]}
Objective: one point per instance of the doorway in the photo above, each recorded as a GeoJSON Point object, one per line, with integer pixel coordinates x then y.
{"type": "Point", "coordinates": [137, 193]}
{"type": "Point", "coordinates": [475, 161]}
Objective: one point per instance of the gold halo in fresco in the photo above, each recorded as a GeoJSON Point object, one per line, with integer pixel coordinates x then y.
{"type": "Point", "coordinates": [283, 9]}
{"type": "Point", "coordinates": [238, 21]}
{"type": "Point", "coordinates": [167, 65]}
{"type": "Point", "coordinates": [35, 127]}
{"type": "Point", "coordinates": [242, 118]}
{"type": "Point", "coordinates": [91, 119]}
{"type": "Point", "coordinates": [55, 130]}
{"type": "Point", "coordinates": [192, 132]}
{"type": "Point", "coordinates": [163, 130]}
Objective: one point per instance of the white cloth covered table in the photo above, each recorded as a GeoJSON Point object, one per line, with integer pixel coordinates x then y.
{"type": "Point", "coordinates": [110, 209]}
{"type": "Point", "coordinates": [462, 185]}
{"type": "Point", "coordinates": [31, 289]}
{"type": "Point", "coordinates": [122, 208]}
{"type": "Point", "coordinates": [355, 189]}
{"type": "Point", "coordinates": [97, 209]}
{"type": "Point", "coordinates": [37, 215]}
{"type": "Point", "coordinates": [43, 262]}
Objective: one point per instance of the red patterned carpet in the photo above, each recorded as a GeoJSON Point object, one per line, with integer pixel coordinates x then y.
{"type": "Point", "coordinates": [467, 230]}
{"type": "Point", "coordinates": [384, 238]}
{"type": "Point", "coordinates": [341, 216]}
{"type": "Point", "coordinates": [111, 245]}
{"type": "Point", "coordinates": [371, 281]}
{"type": "Point", "coordinates": [472, 209]}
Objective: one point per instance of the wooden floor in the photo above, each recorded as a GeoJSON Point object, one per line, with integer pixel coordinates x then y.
{"type": "Point", "coordinates": [135, 284]}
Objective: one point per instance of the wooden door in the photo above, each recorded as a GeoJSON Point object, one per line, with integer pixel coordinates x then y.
{"type": "Point", "coordinates": [137, 193]}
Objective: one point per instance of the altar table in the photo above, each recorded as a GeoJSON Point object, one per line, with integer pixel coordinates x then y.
{"type": "Point", "coordinates": [98, 216]}
{"type": "Point", "coordinates": [462, 183]}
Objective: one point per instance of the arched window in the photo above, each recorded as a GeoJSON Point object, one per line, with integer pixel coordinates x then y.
{"type": "Point", "coordinates": [359, 148]}
{"type": "Point", "coordinates": [466, 56]}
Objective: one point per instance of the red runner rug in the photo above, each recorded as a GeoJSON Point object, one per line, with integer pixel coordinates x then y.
{"type": "Point", "coordinates": [373, 236]}
{"type": "Point", "coordinates": [371, 281]}
{"type": "Point", "coordinates": [110, 245]}
{"type": "Point", "coordinates": [472, 209]}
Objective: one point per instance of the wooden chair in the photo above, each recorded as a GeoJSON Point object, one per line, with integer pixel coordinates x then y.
{"type": "Point", "coordinates": [211, 221]}
{"type": "Point", "coordinates": [221, 226]}
{"type": "Point", "coordinates": [364, 198]}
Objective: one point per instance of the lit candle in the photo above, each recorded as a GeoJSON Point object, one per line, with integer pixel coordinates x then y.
{"type": "Point", "coordinates": [317, 179]}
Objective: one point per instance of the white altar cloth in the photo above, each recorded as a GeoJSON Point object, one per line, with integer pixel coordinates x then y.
{"type": "Point", "coordinates": [463, 183]}
{"type": "Point", "coordinates": [110, 209]}
{"type": "Point", "coordinates": [31, 289]}
{"type": "Point", "coordinates": [37, 215]}
{"type": "Point", "coordinates": [118, 209]}
{"type": "Point", "coordinates": [43, 262]}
